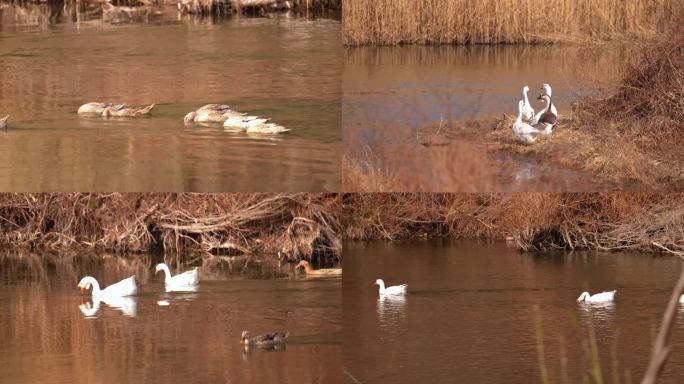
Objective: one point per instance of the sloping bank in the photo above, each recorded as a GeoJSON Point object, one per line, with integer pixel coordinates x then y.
{"type": "Point", "coordinates": [530, 221]}
{"type": "Point", "coordinates": [300, 226]}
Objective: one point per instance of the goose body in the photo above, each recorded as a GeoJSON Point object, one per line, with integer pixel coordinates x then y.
{"type": "Point", "coordinates": [127, 112]}
{"type": "Point", "coordinates": [96, 109]}
{"type": "Point", "coordinates": [681, 299]}
{"type": "Point", "coordinates": [125, 287]}
{"type": "Point", "coordinates": [392, 290]}
{"type": "Point", "coordinates": [548, 91]}
{"type": "Point", "coordinates": [211, 113]}
{"type": "Point", "coordinates": [546, 119]}
{"type": "Point", "coordinates": [318, 272]}
{"type": "Point", "coordinates": [603, 297]}
{"type": "Point", "coordinates": [527, 110]}
{"type": "Point", "coordinates": [524, 132]}
{"type": "Point", "coordinates": [187, 280]}
{"type": "Point", "coordinates": [252, 124]}
{"type": "Point", "coordinates": [265, 340]}
{"type": "Point", "coordinates": [232, 120]}
{"type": "Point", "coordinates": [3, 122]}
{"type": "Point", "coordinates": [108, 109]}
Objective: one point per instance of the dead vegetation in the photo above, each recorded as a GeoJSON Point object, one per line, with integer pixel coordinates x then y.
{"type": "Point", "coordinates": [531, 221]}
{"type": "Point", "coordinates": [390, 22]}
{"type": "Point", "coordinates": [300, 226]}
{"type": "Point", "coordinates": [633, 136]}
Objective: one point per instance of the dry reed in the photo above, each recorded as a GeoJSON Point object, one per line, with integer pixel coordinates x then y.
{"type": "Point", "coordinates": [298, 225]}
{"type": "Point", "coordinates": [389, 22]}
{"type": "Point", "coordinates": [531, 221]}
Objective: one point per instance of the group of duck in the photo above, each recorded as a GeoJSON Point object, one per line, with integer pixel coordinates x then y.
{"type": "Point", "coordinates": [528, 126]}
{"type": "Point", "coordinates": [208, 114]}
{"type": "Point", "coordinates": [188, 281]}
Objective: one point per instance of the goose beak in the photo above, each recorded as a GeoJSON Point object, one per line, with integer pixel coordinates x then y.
{"type": "Point", "coordinates": [82, 290]}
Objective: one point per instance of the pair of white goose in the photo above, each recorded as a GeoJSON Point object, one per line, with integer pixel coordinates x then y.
{"type": "Point", "coordinates": [186, 281]}
{"type": "Point", "coordinates": [233, 120]}
{"type": "Point", "coordinates": [528, 126]}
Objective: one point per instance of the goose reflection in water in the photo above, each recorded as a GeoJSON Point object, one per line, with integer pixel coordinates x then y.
{"type": "Point", "coordinates": [600, 314]}
{"type": "Point", "coordinates": [127, 306]}
{"type": "Point", "coordinates": [391, 310]}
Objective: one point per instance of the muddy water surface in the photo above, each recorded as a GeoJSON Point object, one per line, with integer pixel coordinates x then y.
{"type": "Point", "coordinates": [469, 314]}
{"type": "Point", "coordinates": [50, 334]}
{"type": "Point", "coordinates": [282, 67]}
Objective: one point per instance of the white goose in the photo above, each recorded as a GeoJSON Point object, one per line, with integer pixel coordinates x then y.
{"type": "Point", "coordinates": [252, 124]}
{"type": "Point", "coordinates": [546, 119]}
{"type": "Point", "coordinates": [3, 122]}
{"type": "Point", "coordinates": [603, 297]}
{"type": "Point", "coordinates": [524, 132]}
{"type": "Point", "coordinates": [393, 290]}
{"type": "Point", "coordinates": [186, 281]}
{"type": "Point", "coordinates": [528, 111]}
{"type": "Point", "coordinates": [548, 91]}
{"type": "Point", "coordinates": [125, 287]}
{"type": "Point", "coordinates": [681, 299]}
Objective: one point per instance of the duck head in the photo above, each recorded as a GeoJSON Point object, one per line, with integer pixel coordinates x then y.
{"type": "Point", "coordinates": [546, 89]}
{"type": "Point", "coordinates": [526, 89]}
{"type": "Point", "coordinates": [244, 339]}
{"type": "Point", "coordinates": [190, 117]}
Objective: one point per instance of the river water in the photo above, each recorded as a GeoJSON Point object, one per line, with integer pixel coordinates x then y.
{"type": "Point", "coordinates": [283, 67]}
{"type": "Point", "coordinates": [390, 94]}
{"type": "Point", "coordinates": [50, 333]}
{"type": "Point", "coordinates": [469, 314]}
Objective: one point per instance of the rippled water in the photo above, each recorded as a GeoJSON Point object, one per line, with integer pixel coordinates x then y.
{"type": "Point", "coordinates": [282, 67]}
{"type": "Point", "coordinates": [51, 334]}
{"type": "Point", "coordinates": [393, 93]}
{"type": "Point", "coordinates": [469, 314]}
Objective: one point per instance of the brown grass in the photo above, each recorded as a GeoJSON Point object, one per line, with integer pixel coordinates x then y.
{"type": "Point", "coordinates": [299, 225]}
{"type": "Point", "coordinates": [389, 22]}
{"type": "Point", "coordinates": [532, 221]}
{"type": "Point", "coordinates": [634, 135]}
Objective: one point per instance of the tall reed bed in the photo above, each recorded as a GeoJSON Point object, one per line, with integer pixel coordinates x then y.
{"type": "Point", "coordinates": [389, 22]}
{"type": "Point", "coordinates": [531, 221]}
{"type": "Point", "coordinates": [297, 225]}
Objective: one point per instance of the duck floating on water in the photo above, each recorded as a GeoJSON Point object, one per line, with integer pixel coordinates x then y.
{"type": "Point", "coordinates": [125, 287]}
{"type": "Point", "coordinates": [603, 297]}
{"type": "Point", "coordinates": [524, 132]}
{"type": "Point", "coordinates": [3, 122]}
{"type": "Point", "coordinates": [318, 272]}
{"type": "Point", "coordinates": [108, 109]}
{"type": "Point", "coordinates": [232, 120]}
{"type": "Point", "coordinates": [186, 281]}
{"type": "Point", "coordinates": [392, 290]}
{"type": "Point", "coordinates": [265, 340]}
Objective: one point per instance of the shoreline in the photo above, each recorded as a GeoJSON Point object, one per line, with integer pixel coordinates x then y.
{"type": "Point", "coordinates": [299, 226]}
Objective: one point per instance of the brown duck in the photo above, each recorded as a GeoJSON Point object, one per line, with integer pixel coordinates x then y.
{"type": "Point", "coordinates": [318, 272]}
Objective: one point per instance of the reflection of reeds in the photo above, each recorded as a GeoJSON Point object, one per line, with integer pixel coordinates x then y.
{"type": "Point", "coordinates": [603, 221]}
{"type": "Point", "coordinates": [298, 225]}
{"type": "Point", "coordinates": [501, 21]}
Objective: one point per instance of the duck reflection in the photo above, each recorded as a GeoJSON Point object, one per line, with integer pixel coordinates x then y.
{"type": "Point", "coordinates": [127, 306]}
